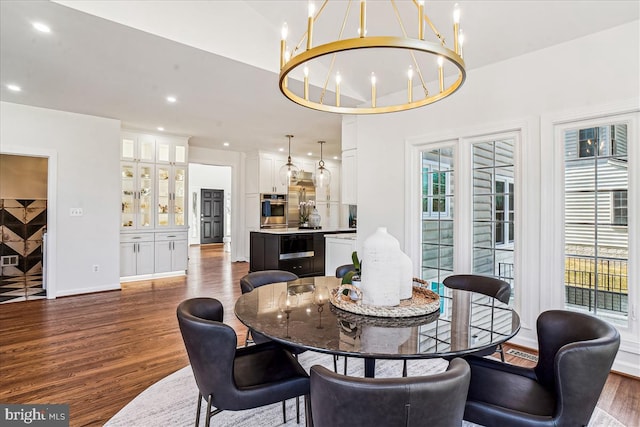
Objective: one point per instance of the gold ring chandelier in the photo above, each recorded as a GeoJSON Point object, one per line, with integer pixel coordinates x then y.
{"type": "Point", "coordinates": [437, 51]}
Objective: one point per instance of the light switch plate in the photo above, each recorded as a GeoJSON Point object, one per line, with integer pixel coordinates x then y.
{"type": "Point", "coordinates": [76, 212]}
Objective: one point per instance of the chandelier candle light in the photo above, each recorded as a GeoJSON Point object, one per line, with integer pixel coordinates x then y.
{"type": "Point", "coordinates": [320, 61]}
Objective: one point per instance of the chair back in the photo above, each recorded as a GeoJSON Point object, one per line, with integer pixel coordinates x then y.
{"type": "Point", "coordinates": [259, 278]}
{"type": "Point", "coordinates": [485, 285]}
{"type": "Point", "coordinates": [591, 345]}
{"type": "Point", "coordinates": [435, 400]}
{"type": "Point", "coordinates": [211, 347]}
{"type": "Point", "coordinates": [344, 269]}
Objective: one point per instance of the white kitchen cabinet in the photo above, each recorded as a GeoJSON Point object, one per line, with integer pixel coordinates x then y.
{"type": "Point", "coordinates": [136, 254]}
{"type": "Point", "coordinates": [269, 174]}
{"type": "Point", "coordinates": [349, 133]}
{"type": "Point", "coordinates": [137, 191]}
{"type": "Point", "coordinates": [138, 147]}
{"type": "Point", "coordinates": [349, 179]}
{"type": "Point", "coordinates": [338, 250]}
{"type": "Point", "coordinates": [154, 189]}
{"type": "Point", "coordinates": [329, 214]}
{"type": "Point", "coordinates": [306, 164]}
{"type": "Point", "coordinates": [171, 252]}
{"type": "Point", "coordinates": [332, 193]}
{"type": "Point", "coordinates": [172, 196]}
{"type": "Point", "coordinates": [171, 151]}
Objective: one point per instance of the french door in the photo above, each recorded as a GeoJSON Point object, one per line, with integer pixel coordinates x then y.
{"type": "Point", "coordinates": [468, 215]}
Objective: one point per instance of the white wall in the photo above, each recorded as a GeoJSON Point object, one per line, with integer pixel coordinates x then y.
{"type": "Point", "coordinates": [84, 157]}
{"type": "Point", "coordinates": [594, 70]}
{"type": "Point", "coordinates": [208, 177]}
{"type": "Point", "coordinates": [236, 160]}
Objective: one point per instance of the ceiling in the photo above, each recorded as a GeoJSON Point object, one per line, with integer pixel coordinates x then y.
{"type": "Point", "coordinates": [121, 59]}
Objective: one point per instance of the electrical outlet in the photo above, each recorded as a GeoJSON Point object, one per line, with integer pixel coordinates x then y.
{"type": "Point", "coordinates": [96, 268]}
{"type": "Point", "coordinates": [76, 212]}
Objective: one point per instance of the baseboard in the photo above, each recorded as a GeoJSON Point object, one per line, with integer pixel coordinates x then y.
{"type": "Point", "coordinates": [152, 276]}
{"type": "Point", "coordinates": [71, 292]}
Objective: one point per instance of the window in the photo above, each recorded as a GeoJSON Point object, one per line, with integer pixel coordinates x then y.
{"type": "Point", "coordinates": [504, 206]}
{"type": "Point", "coordinates": [619, 207]}
{"type": "Point", "coordinates": [587, 142]}
{"type": "Point", "coordinates": [604, 140]}
{"type": "Point", "coordinates": [596, 181]}
{"type": "Point", "coordinates": [434, 189]}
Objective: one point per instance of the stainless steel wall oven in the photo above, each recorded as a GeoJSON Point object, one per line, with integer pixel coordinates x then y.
{"type": "Point", "coordinates": [273, 211]}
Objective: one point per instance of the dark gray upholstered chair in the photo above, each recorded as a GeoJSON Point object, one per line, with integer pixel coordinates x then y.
{"type": "Point", "coordinates": [344, 269]}
{"type": "Point", "coordinates": [434, 400]}
{"type": "Point", "coordinates": [576, 352]}
{"type": "Point", "coordinates": [231, 378]}
{"type": "Point", "coordinates": [256, 279]}
{"type": "Point", "coordinates": [490, 286]}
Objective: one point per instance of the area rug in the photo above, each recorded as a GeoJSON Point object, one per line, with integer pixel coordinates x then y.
{"type": "Point", "coordinates": [172, 400]}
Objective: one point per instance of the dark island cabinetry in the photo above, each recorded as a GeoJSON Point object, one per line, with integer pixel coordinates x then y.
{"type": "Point", "coordinates": [301, 253]}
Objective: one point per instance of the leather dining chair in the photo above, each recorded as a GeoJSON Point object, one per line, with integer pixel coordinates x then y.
{"type": "Point", "coordinates": [434, 400]}
{"type": "Point", "coordinates": [231, 378]}
{"type": "Point", "coordinates": [576, 352]}
{"type": "Point", "coordinates": [260, 278]}
{"type": "Point", "coordinates": [490, 286]}
{"type": "Point", "coordinates": [342, 270]}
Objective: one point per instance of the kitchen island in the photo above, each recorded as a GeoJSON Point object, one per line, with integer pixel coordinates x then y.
{"type": "Point", "coordinates": [300, 251]}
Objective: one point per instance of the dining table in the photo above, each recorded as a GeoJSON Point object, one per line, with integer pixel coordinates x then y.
{"type": "Point", "coordinates": [291, 313]}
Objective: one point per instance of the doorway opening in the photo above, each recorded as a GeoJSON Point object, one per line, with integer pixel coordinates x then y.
{"type": "Point", "coordinates": [210, 201]}
{"type": "Point", "coordinates": [23, 220]}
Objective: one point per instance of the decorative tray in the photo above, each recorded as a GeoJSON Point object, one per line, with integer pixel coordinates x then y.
{"type": "Point", "coordinates": [423, 301]}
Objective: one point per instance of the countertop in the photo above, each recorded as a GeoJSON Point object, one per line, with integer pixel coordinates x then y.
{"type": "Point", "coordinates": [303, 231]}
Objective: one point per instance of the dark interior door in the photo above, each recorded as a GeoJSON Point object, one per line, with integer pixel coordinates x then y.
{"type": "Point", "coordinates": [211, 216]}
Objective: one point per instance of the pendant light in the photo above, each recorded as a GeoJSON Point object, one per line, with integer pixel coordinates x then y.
{"type": "Point", "coordinates": [321, 176]}
{"type": "Point", "coordinates": [289, 171]}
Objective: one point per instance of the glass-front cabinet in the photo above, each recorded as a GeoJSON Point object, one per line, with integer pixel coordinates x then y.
{"type": "Point", "coordinates": [171, 196]}
{"type": "Point", "coordinates": [138, 148]}
{"type": "Point", "coordinates": [137, 195]}
{"type": "Point", "coordinates": [171, 151]}
{"type": "Point", "coordinates": [154, 174]}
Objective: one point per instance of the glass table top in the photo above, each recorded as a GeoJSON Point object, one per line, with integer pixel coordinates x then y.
{"type": "Point", "coordinates": [466, 322]}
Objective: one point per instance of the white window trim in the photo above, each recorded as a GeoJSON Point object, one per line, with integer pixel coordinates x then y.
{"type": "Point", "coordinates": [552, 226]}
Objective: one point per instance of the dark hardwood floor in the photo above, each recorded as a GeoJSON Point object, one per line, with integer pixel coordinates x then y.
{"type": "Point", "coordinates": [96, 352]}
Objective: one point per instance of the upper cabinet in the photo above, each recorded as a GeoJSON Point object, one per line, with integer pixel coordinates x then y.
{"type": "Point", "coordinates": [171, 151]}
{"type": "Point", "coordinates": [349, 177]}
{"type": "Point", "coordinates": [263, 173]}
{"type": "Point", "coordinates": [331, 193]}
{"type": "Point", "coordinates": [153, 181]}
{"type": "Point", "coordinates": [138, 147]}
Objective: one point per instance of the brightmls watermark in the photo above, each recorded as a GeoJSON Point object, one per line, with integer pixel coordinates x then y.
{"type": "Point", "coordinates": [34, 415]}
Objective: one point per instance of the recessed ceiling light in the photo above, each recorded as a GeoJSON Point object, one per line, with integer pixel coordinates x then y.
{"type": "Point", "coordinates": [160, 128]}
{"type": "Point", "coordinates": [14, 88]}
{"type": "Point", "coordinates": [226, 144]}
{"type": "Point", "coordinates": [43, 28]}
{"type": "Point", "coordinates": [335, 157]}
{"type": "Point", "coordinates": [309, 153]}
{"type": "Point", "coordinates": [280, 149]}
{"type": "Point", "coordinates": [171, 99]}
